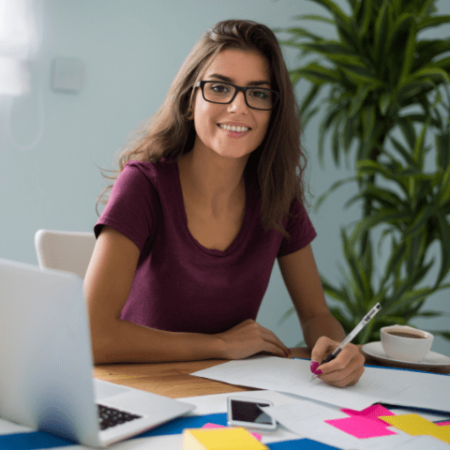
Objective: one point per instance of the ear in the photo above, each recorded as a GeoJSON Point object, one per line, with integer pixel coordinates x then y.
{"type": "Point", "coordinates": [190, 111]}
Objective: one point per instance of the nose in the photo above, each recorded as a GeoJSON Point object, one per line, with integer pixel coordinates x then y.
{"type": "Point", "coordinates": [238, 104]}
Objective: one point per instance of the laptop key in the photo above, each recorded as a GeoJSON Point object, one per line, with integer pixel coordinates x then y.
{"type": "Point", "coordinates": [110, 417]}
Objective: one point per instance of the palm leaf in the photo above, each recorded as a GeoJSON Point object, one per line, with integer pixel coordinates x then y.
{"type": "Point", "coordinates": [309, 99]}
{"type": "Point", "coordinates": [427, 22]}
{"type": "Point", "coordinates": [390, 216]}
{"type": "Point", "coordinates": [315, 17]}
{"type": "Point", "coordinates": [333, 9]}
{"type": "Point", "coordinates": [317, 74]}
{"type": "Point", "coordinates": [381, 32]}
{"type": "Point", "coordinates": [331, 190]}
{"type": "Point", "coordinates": [364, 16]}
{"type": "Point", "coordinates": [435, 73]}
{"type": "Point", "coordinates": [299, 32]}
{"type": "Point", "coordinates": [443, 150]}
{"type": "Point", "coordinates": [444, 231]}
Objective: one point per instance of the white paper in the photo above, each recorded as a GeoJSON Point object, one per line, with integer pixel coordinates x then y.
{"type": "Point", "coordinates": [307, 418]}
{"type": "Point", "coordinates": [310, 418]}
{"type": "Point", "coordinates": [420, 443]}
{"type": "Point", "coordinates": [207, 404]}
{"type": "Point", "coordinates": [401, 387]}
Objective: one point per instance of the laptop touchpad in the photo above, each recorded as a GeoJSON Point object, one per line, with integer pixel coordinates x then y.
{"type": "Point", "coordinates": [103, 389]}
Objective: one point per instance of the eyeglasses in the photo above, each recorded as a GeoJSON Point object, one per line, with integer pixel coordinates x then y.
{"type": "Point", "coordinates": [224, 93]}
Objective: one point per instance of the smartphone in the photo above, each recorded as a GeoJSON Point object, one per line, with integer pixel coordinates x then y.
{"type": "Point", "coordinates": [245, 412]}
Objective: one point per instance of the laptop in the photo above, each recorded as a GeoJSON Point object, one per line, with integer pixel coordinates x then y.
{"type": "Point", "coordinates": [46, 367]}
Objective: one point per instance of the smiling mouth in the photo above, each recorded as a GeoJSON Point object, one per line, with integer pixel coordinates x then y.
{"type": "Point", "coordinates": [234, 128]}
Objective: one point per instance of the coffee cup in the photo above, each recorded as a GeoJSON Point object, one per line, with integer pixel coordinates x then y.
{"type": "Point", "coordinates": [405, 343]}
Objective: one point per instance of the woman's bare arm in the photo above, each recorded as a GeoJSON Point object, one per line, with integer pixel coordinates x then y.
{"type": "Point", "coordinates": [107, 285]}
{"type": "Point", "coordinates": [321, 331]}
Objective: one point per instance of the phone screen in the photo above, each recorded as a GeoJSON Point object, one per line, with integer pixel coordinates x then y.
{"type": "Point", "coordinates": [249, 412]}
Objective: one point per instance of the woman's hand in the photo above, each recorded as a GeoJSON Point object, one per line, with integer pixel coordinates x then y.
{"type": "Point", "coordinates": [249, 338]}
{"type": "Point", "coordinates": [345, 370]}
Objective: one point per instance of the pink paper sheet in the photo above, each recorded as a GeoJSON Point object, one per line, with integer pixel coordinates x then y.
{"type": "Point", "coordinates": [360, 427]}
{"type": "Point", "coordinates": [364, 424]}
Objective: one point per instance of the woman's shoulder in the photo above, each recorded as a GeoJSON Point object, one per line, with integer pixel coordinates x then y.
{"type": "Point", "coordinates": [153, 171]}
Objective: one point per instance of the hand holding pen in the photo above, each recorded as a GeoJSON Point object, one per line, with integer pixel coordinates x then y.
{"type": "Point", "coordinates": [366, 319]}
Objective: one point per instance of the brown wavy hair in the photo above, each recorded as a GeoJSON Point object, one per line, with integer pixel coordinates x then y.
{"type": "Point", "coordinates": [278, 164]}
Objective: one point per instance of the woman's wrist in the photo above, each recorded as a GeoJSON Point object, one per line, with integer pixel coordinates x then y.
{"type": "Point", "coordinates": [207, 346]}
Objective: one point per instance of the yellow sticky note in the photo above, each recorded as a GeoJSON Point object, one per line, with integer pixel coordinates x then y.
{"type": "Point", "coordinates": [416, 425]}
{"type": "Point", "coordinates": [220, 439]}
{"type": "Point", "coordinates": [443, 433]}
{"type": "Point", "coordinates": [412, 424]}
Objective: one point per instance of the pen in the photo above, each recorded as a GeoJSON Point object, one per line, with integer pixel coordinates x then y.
{"type": "Point", "coordinates": [366, 319]}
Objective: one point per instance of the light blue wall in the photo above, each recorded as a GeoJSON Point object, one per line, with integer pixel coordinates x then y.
{"type": "Point", "coordinates": [132, 49]}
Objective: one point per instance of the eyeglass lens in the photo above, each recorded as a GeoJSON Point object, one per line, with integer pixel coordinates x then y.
{"type": "Point", "coordinates": [223, 92]}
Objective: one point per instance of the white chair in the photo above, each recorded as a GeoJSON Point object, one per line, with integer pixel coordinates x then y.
{"type": "Point", "coordinates": [64, 250]}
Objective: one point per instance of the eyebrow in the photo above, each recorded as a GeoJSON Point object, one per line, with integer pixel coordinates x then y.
{"type": "Point", "coordinates": [229, 80]}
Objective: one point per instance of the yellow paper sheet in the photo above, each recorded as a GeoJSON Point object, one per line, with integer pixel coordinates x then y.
{"type": "Point", "coordinates": [415, 425]}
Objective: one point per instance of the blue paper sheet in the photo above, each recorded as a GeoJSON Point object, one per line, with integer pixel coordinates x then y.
{"type": "Point", "coordinates": [42, 440]}
{"type": "Point", "coordinates": [300, 444]}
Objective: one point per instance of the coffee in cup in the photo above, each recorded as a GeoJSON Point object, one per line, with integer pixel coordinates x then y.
{"type": "Point", "coordinates": [405, 343]}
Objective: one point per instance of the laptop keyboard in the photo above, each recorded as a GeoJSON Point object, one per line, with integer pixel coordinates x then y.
{"type": "Point", "coordinates": [110, 417]}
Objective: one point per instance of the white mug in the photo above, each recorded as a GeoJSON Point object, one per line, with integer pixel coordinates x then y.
{"type": "Point", "coordinates": [405, 343]}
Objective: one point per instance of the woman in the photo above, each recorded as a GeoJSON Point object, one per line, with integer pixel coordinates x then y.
{"type": "Point", "coordinates": [206, 199]}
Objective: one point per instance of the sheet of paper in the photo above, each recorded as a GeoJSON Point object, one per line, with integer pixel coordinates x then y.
{"type": "Point", "coordinates": [421, 443]}
{"type": "Point", "coordinates": [360, 427]}
{"type": "Point", "coordinates": [307, 418]}
{"type": "Point", "coordinates": [402, 387]}
{"type": "Point", "coordinates": [311, 428]}
{"type": "Point", "coordinates": [372, 412]}
{"type": "Point", "coordinates": [364, 424]}
{"type": "Point", "coordinates": [213, 425]}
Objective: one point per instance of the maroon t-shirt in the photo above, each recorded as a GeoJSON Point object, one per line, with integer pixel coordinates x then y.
{"type": "Point", "coordinates": [180, 285]}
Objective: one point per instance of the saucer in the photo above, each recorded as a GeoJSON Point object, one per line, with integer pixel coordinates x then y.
{"type": "Point", "coordinates": [432, 361]}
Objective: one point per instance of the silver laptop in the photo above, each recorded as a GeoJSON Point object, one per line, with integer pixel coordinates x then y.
{"type": "Point", "coordinates": [46, 369]}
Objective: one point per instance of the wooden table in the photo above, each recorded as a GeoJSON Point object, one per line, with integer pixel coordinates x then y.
{"type": "Point", "coordinates": [173, 379]}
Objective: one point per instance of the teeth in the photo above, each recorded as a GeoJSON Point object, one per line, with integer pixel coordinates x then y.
{"type": "Point", "coordinates": [233, 128]}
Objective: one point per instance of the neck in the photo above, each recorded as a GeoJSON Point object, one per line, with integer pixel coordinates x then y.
{"type": "Point", "coordinates": [214, 181]}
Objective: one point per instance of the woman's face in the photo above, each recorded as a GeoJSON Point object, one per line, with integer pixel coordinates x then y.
{"type": "Point", "coordinates": [215, 124]}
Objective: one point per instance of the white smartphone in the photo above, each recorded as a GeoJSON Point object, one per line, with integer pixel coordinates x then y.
{"type": "Point", "coordinates": [246, 412]}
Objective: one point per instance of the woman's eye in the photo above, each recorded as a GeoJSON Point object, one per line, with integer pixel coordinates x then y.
{"type": "Point", "coordinates": [219, 88]}
{"type": "Point", "coordinates": [259, 94]}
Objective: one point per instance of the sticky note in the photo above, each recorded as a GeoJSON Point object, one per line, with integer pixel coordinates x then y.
{"type": "Point", "coordinates": [361, 427]}
{"type": "Point", "coordinates": [220, 439]}
{"type": "Point", "coordinates": [412, 424]}
{"type": "Point", "coordinates": [443, 433]}
{"type": "Point", "coordinates": [372, 412]}
{"type": "Point", "coordinates": [415, 425]}
{"type": "Point", "coordinates": [214, 425]}
{"type": "Point", "coordinates": [364, 424]}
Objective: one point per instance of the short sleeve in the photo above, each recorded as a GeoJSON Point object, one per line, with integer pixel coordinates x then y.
{"type": "Point", "coordinates": [300, 229]}
{"type": "Point", "coordinates": [132, 208]}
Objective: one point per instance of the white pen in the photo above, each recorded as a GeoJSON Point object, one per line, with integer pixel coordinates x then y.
{"type": "Point", "coordinates": [366, 319]}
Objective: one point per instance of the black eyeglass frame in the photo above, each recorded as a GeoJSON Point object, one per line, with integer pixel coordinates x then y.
{"type": "Point", "coordinates": [201, 84]}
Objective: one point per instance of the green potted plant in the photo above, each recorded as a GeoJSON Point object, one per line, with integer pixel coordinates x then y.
{"type": "Point", "coordinates": [384, 90]}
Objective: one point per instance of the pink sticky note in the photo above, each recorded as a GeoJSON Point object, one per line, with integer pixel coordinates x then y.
{"type": "Point", "coordinates": [372, 413]}
{"type": "Point", "coordinates": [214, 425]}
{"type": "Point", "coordinates": [361, 427]}
{"type": "Point", "coordinates": [442, 424]}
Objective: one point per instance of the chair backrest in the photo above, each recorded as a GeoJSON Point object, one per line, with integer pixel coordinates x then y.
{"type": "Point", "coordinates": [64, 250]}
